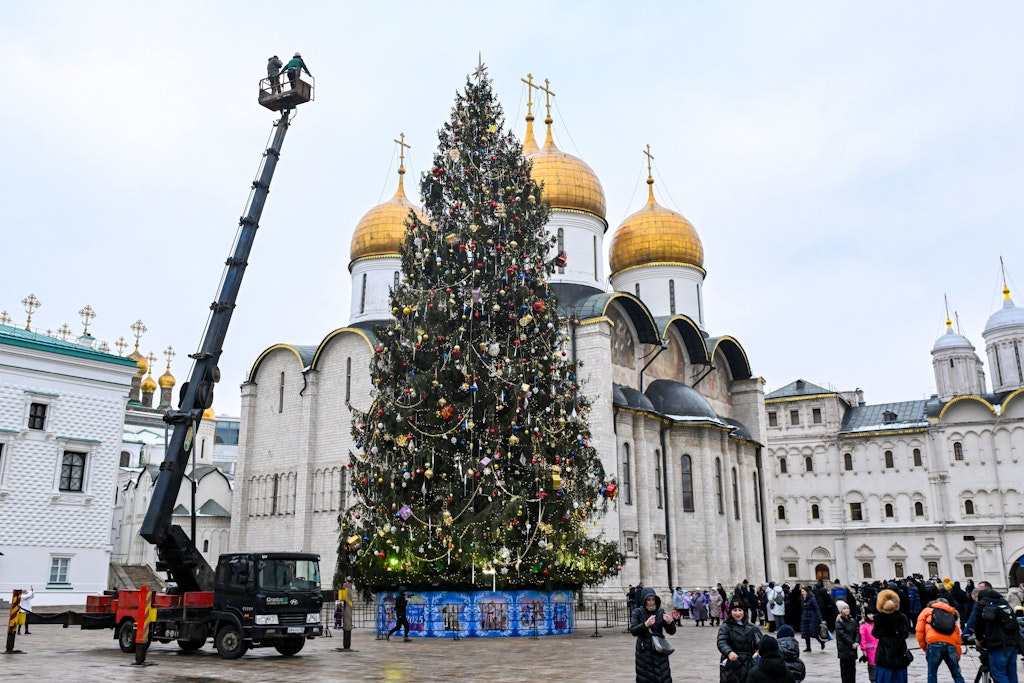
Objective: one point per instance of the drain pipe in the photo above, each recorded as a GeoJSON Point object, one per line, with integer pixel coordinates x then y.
{"type": "Point", "coordinates": [761, 504]}
{"type": "Point", "coordinates": [664, 488]}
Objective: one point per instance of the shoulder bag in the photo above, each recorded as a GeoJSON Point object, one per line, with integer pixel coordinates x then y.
{"type": "Point", "coordinates": [661, 645]}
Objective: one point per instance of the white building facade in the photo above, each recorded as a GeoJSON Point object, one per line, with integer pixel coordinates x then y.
{"type": "Point", "coordinates": [62, 407]}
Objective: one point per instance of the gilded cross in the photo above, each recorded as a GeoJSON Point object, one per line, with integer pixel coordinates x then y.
{"type": "Point", "coordinates": [121, 345]}
{"type": "Point", "coordinates": [88, 315]}
{"type": "Point", "coordinates": [650, 158]}
{"type": "Point", "coordinates": [31, 304]}
{"type": "Point", "coordinates": [548, 94]}
{"type": "Point", "coordinates": [169, 354]}
{"type": "Point", "coordinates": [138, 328]}
{"type": "Point", "coordinates": [529, 95]}
{"type": "Point", "coordinates": [402, 146]}
{"type": "Point", "coordinates": [151, 358]}
{"type": "Point", "coordinates": [64, 332]}
{"type": "Point", "coordinates": [5, 319]}
{"type": "Point", "coordinates": [104, 347]}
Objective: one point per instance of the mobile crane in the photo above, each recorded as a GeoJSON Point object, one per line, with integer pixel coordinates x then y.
{"type": "Point", "coordinates": [253, 599]}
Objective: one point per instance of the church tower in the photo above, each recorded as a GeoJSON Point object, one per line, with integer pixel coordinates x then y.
{"type": "Point", "coordinates": [1004, 343]}
{"type": "Point", "coordinates": [376, 265]}
{"type": "Point", "coordinates": [958, 370]}
{"type": "Point", "coordinates": [577, 222]}
{"type": "Point", "coordinates": [657, 255]}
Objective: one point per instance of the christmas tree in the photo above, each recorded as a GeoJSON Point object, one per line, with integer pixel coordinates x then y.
{"type": "Point", "coordinates": [473, 466]}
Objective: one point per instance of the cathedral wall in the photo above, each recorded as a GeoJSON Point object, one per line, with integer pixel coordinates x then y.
{"type": "Point", "coordinates": [582, 241]}
{"type": "Point", "coordinates": [372, 281]}
{"type": "Point", "coordinates": [665, 289]}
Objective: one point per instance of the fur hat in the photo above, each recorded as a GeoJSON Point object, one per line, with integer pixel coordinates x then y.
{"type": "Point", "coordinates": [888, 601]}
{"type": "Point", "coordinates": [840, 606]}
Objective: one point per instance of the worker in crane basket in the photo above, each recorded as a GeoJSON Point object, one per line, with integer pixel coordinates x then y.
{"type": "Point", "coordinates": [294, 69]}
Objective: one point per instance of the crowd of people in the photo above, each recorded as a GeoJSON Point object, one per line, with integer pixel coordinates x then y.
{"type": "Point", "coordinates": [871, 624]}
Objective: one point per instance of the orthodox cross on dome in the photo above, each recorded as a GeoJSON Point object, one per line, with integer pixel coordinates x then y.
{"type": "Point", "coordinates": [548, 94]}
{"type": "Point", "coordinates": [64, 332]}
{"type": "Point", "coordinates": [138, 328]}
{"type": "Point", "coordinates": [104, 347]}
{"type": "Point", "coordinates": [650, 176]}
{"type": "Point", "coordinates": [5, 319]}
{"type": "Point", "coordinates": [1002, 267]}
{"type": "Point", "coordinates": [481, 68]}
{"type": "Point", "coordinates": [121, 345]}
{"type": "Point", "coordinates": [31, 304]}
{"type": "Point", "coordinates": [650, 158]}
{"type": "Point", "coordinates": [402, 146]}
{"type": "Point", "coordinates": [531, 86]}
{"type": "Point", "coordinates": [88, 315]}
{"type": "Point", "coordinates": [169, 354]}
{"type": "Point", "coordinates": [151, 358]}
{"type": "Point", "coordinates": [949, 321]}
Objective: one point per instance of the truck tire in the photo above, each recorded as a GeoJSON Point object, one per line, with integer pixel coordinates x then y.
{"type": "Point", "coordinates": [191, 645]}
{"type": "Point", "coordinates": [229, 642]}
{"type": "Point", "coordinates": [126, 636]}
{"type": "Point", "coordinates": [290, 646]}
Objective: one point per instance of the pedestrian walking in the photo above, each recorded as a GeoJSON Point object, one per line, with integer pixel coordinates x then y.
{"type": "Point", "coordinates": [892, 628]}
{"type": "Point", "coordinates": [715, 606]}
{"type": "Point", "coordinates": [738, 641]}
{"type": "Point", "coordinates": [677, 605]}
{"type": "Point", "coordinates": [790, 649]}
{"type": "Point", "coordinates": [647, 621]}
{"type": "Point", "coordinates": [401, 605]}
{"type": "Point", "coordinates": [810, 619]}
{"type": "Point", "coordinates": [699, 608]}
{"type": "Point", "coordinates": [938, 634]}
{"type": "Point", "coordinates": [777, 604]}
{"type": "Point", "coordinates": [847, 642]}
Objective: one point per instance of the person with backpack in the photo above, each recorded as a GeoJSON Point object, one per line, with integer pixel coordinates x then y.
{"type": "Point", "coordinates": [790, 649]}
{"type": "Point", "coordinates": [998, 634]}
{"type": "Point", "coordinates": [938, 634]}
{"type": "Point", "coordinates": [777, 604]}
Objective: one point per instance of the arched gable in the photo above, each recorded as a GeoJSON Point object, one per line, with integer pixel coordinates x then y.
{"type": "Point", "coordinates": [304, 354]}
{"type": "Point", "coordinates": [340, 331]}
{"type": "Point", "coordinates": [1016, 400]}
{"type": "Point", "coordinates": [643, 322]}
{"type": "Point", "coordinates": [968, 401]}
{"type": "Point", "coordinates": [693, 338]}
{"type": "Point", "coordinates": [739, 365]}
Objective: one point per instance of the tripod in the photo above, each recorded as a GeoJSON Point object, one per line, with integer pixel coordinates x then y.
{"type": "Point", "coordinates": [983, 675]}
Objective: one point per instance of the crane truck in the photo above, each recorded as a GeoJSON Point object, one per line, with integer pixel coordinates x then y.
{"type": "Point", "coordinates": [252, 599]}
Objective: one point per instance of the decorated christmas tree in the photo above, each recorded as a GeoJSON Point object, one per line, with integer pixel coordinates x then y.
{"type": "Point", "coordinates": [473, 466]}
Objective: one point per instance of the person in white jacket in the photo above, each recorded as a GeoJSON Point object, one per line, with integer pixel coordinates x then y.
{"type": "Point", "coordinates": [26, 607]}
{"type": "Point", "coordinates": [777, 604]}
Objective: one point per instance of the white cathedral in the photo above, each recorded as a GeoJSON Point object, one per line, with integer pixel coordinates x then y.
{"type": "Point", "coordinates": [678, 417]}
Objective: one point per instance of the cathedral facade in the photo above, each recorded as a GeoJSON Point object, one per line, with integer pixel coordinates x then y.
{"type": "Point", "coordinates": [677, 413]}
{"type": "Point", "coordinates": [929, 487]}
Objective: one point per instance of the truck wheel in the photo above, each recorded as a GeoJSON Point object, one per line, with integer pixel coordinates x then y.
{"type": "Point", "coordinates": [191, 645]}
{"type": "Point", "coordinates": [126, 636]}
{"type": "Point", "coordinates": [290, 646]}
{"type": "Point", "coordinates": [230, 643]}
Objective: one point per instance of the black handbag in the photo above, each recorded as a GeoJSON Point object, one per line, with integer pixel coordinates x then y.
{"type": "Point", "coordinates": [661, 645]}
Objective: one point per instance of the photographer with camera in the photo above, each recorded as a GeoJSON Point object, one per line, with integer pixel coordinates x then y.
{"type": "Point", "coordinates": [997, 634]}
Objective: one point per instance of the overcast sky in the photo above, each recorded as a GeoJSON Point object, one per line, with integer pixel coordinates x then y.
{"type": "Point", "coordinates": [845, 163]}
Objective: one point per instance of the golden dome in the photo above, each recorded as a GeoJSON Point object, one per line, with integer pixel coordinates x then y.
{"type": "Point", "coordinates": [655, 234]}
{"type": "Point", "coordinates": [140, 362]}
{"type": "Point", "coordinates": [381, 231]}
{"type": "Point", "coordinates": [148, 385]}
{"type": "Point", "coordinates": [208, 414]}
{"type": "Point", "coordinates": [569, 183]}
{"type": "Point", "coordinates": [167, 380]}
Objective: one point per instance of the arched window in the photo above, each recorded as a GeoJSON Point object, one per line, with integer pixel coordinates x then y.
{"type": "Point", "coordinates": [719, 492]}
{"type": "Point", "coordinates": [657, 476]}
{"type": "Point", "coordinates": [126, 459]}
{"type": "Point", "coordinates": [782, 466]}
{"type": "Point", "coordinates": [206, 545]}
{"type": "Point", "coordinates": [781, 512]}
{"type": "Point", "coordinates": [917, 457]}
{"type": "Point", "coordinates": [280, 395]}
{"type": "Point", "coordinates": [968, 570]}
{"type": "Point", "coordinates": [919, 509]}
{"type": "Point", "coordinates": [898, 570]}
{"type": "Point", "coordinates": [889, 464]}
{"type": "Point", "coordinates": [958, 450]}
{"type": "Point", "coordinates": [815, 512]}
{"type": "Point", "coordinates": [362, 296]}
{"type": "Point", "coordinates": [791, 569]}
{"type": "Point", "coordinates": [757, 500]}
{"type": "Point", "coordinates": [686, 467]}
{"type": "Point", "coordinates": [348, 379]}
{"type": "Point", "coordinates": [637, 288]}
{"type": "Point", "coordinates": [672, 297]}
{"type": "Point", "coordinates": [735, 495]}
{"type": "Point", "coordinates": [397, 279]}
{"type": "Point", "coordinates": [865, 570]}
{"type": "Point", "coordinates": [968, 507]}
{"type": "Point", "coordinates": [627, 488]}
{"type": "Point", "coordinates": [889, 511]}
{"type": "Point", "coordinates": [809, 463]}
{"type": "Point", "coordinates": [933, 568]}
{"type": "Point", "coordinates": [848, 462]}
{"type": "Point", "coordinates": [561, 246]}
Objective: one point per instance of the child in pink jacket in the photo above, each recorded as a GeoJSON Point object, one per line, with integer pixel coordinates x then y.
{"type": "Point", "coordinates": [868, 643]}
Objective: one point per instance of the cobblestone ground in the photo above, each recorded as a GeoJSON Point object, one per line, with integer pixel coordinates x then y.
{"type": "Point", "coordinates": [71, 655]}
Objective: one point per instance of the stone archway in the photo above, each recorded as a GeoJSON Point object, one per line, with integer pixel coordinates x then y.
{"type": "Point", "coordinates": [822, 573]}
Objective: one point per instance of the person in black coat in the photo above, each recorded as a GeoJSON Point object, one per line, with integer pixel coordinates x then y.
{"type": "Point", "coordinates": [810, 618]}
{"type": "Point", "coordinates": [738, 641]}
{"type": "Point", "coordinates": [825, 605]}
{"type": "Point", "coordinates": [892, 628]}
{"type": "Point", "coordinates": [794, 605]}
{"type": "Point", "coordinates": [847, 640]}
{"type": "Point", "coordinates": [401, 603]}
{"type": "Point", "coordinates": [647, 620]}
{"type": "Point", "coordinates": [772, 667]}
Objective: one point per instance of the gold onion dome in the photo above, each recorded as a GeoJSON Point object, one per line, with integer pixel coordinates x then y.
{"type": "Point", "coordinates": [569, 183]}
{"type": "Point", "coordinates": [148, 384]}
{"type": "Point", "coordinates": [655, 235]}
{"type": "Point", "coordinates": [381, 231]}
{"type": "Point", "coordinates": [140, 362]}
{"type": "Point", "coordinates": [167, 380]}
{"type": "Point", "coordinates": [209, 414]}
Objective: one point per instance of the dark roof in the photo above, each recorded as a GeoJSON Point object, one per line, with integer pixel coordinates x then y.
{"type": "Point", "coordinates": [799, 387]}
{"type": "Point", "coordinates": [213, 509]}
{"type": "Point", "coordinates": [630, 398]}
{"type": "Point", "coordinates": [569, 296]}
{"type": "Point", "coordinates": [675, 399]}
{"type": "Point", "coordinates": [740, 430]}
{"type": "Point", "coordinates": [907, 415]}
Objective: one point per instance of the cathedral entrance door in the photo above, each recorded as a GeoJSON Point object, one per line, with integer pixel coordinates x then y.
{"type": "Point", "coordinates": [822, 573]}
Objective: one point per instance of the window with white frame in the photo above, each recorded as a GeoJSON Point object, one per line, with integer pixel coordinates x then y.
{"type": "Point", "coordinates": [72, 472]}
{"type": "Point", "coordinates": [60, 569]}
{"type": "Point", "coordinates": [37, 415]}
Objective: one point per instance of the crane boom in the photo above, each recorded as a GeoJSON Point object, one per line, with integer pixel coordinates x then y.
{"type": "Point", "coordinates": [177, 553]}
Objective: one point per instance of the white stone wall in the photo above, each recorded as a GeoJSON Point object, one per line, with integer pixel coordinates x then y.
{"type": "Point", "coordinates": [372, 300]}
{"type": "Point", "coordinates": [85, 401]}
{"type": "Point", "coordinates": [688, 286]}
{"type": "Point", "coordinates": [583, 240]}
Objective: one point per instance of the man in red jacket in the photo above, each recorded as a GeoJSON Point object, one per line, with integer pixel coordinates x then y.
{"type": "Point", "coordinates": [939, 647]}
